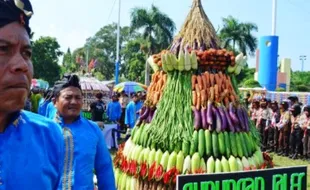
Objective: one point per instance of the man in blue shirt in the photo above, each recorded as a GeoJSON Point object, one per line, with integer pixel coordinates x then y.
{"type": "Point", "coordinates": [85, 147]}
{"type": "Point", "coordinates": [114, 110]}
{"type": "Point", "coordinates": [31, 147]}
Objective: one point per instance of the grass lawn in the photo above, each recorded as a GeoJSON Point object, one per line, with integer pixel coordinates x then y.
{"type": "Point", "coordinates": [280, 161]}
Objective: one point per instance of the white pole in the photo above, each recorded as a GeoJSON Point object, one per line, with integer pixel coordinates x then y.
{"type": "Point", "coordinates": [118, 44]}
{"type": "Point", "coordinates": [274, 17]}
{"type": "Point", "coordinates": [118, 31]}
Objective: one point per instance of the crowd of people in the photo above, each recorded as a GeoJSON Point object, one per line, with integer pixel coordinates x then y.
{"type": "Point", "coordinates": [284, 126]}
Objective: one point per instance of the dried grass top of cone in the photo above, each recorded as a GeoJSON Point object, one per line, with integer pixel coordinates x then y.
{"type": "Point", "coordinates": [197, 30]}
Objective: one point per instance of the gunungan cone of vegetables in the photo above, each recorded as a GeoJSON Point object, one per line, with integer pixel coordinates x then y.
{"type": "Point", "coordinates": [192, 121]}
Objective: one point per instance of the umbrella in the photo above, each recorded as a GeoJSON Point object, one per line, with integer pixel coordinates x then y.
{"type": "Point", "coordinates": [39, 83]}
{"type": "Point", "coordinates": [129, 87]}
{"type": "Point", "coordinates": [90, 83]}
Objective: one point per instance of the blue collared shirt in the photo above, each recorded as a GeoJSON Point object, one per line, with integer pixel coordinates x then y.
{"type": "Point", "coordinates": [86, 151]}
{"type": "Point", "coordinates": [31, 153]}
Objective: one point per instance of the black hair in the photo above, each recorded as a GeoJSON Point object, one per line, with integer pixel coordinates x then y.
{"type": "Point", "coordinates": [99, 95]}
{"type": "Point", "coordinates": [67, 81]}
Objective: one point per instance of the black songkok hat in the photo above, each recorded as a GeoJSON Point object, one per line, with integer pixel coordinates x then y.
{"type": "Point", "coordinates": [67, 81]}
{"type": "Point", "coordinates": [15, 11]}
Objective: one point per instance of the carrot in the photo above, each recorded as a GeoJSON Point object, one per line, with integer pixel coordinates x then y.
{"type": "Point", "coordinates": [204, 81]}
{"type": "Point", "coordinates": [199, 82]}
{"type": "Point", "coordinates": [216, 92]}
{"type": "Point", "coordinates": [217, 79]}
{"type": "Point", "coordinates": [194, 79]}
{"type": "Point", "coordinates": [207, 77]}
{"type": "Point", "coordinates": [197, 88]}
{"type": "Point", "coordinates": [203, 97]}
{"type": "Point", "coordinates": [212, 79]}
{"type": "Point", "coordinates": [194, 94]}
{"type": "Point", "coordinates": [198, 101]}
{"type": "Point", "coordinates": [232, 98]}
{"type": "Point", "coordinates": [226, 101]}
{"type": "Point", "coordinates": [156, 97]}
{"type": "Point", "coordinates": [165, 78]}
{"type": "Point", "coordinates": [211, 93]}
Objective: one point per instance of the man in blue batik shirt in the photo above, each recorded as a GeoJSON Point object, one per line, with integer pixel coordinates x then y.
{"type": "Point", "coordinates": [85, 147]}
{"type": "Point", "coordinates": [31, 146]}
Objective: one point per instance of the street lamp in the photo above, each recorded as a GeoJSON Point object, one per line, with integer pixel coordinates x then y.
{"type": "Point", "coordinates": [302, 58]}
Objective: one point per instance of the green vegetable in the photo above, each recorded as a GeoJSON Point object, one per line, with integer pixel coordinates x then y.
{"type": "Point", "coordinates": [227, 144]}
{"type": "Point", "coordinates": [180, 161]}
{"type": "Point", "coordinates": [151, 156]}
{"type": "Point", "coordinates": [218, 166]}
{"type": "Point", "coordinates": [215, 145]}
{"type": "Point", "coordinates": [233, 164]}
{"type": "Point", "coordinates": [164, 160]}
{"type": "Point", "coordinates": [233, 142]}
{"type": "Point", "coordinates": [239, 146]}
{"type": "Point", "coordinates": [221, 143]}
{"type": "Point", "coordinates": [225, 165]}
{"type": "Point", "coordinates": [242, 142]}
{"type": "Point", "coordinates": [194, 144]}
{"type": "Point", "coordinates": [187, 165]}
{"type": "Point", "coordinates": [158, 156]}
{"type": "Point", "coordinates": [210, 165]}
{"type": "Point", "coordinates": [208, 139]}
{"type": "Point", "coordinates": [195, 162]}
{"type": "Point", "coordinates": [201, 143]}
{"type": "Point", "coordinates": [172, 161]}
{"type": "Point", "coordinates": [185, 147]}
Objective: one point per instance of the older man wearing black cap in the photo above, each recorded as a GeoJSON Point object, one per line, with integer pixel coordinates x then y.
{"type": "Point", "coordinates": [31, 147]}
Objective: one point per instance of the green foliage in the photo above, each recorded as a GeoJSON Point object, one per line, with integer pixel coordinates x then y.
{"type": "Point", "coordinates": [157, 28]}
{"type": "Point", "coordinates": [300, 81]}
{"type": "Point", "coordinates": [245, 74]}
{"type": "Point", "coordinates": [251, 83]}
{"type": "Point", "coordinates": [280, 89]}
{"type": "Point", "coordinates": [46, 52]}
{"type": "Point", "coordinates": [237, 36]}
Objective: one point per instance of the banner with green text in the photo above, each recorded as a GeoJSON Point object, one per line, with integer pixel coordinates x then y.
{"type": "Point", "coordinates": [292, 178]}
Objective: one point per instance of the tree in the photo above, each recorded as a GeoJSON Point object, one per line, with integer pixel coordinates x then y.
{"type": "Point", "coordinates": [68, 62]}
{"type": "Point", "coordinates": [300, 81]}
{"type": "Point", "coordinates": [102, 47]}
{"type": "Point", "coordinates": [251, 83]}
{"type": "Point", "coordinates": [46, 52]}
{"type": "Point", "coordinates": [157, 27]}
{"type": "Point", "coordinates": [237, 36]}
{"type": "Point", "coordinates": [134, 60]}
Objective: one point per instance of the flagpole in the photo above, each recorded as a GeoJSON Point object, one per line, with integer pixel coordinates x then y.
{"type": "Point", "coordinates": [117, 63]}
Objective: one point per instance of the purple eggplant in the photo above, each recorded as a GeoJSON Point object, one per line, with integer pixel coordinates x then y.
{"type": "Point", "coordinates": [150, 116]}
{"type": "Point", "coordinates": [209, 113]}
{"type": "Point", "coordinates": [229, 122]}
{"type": "Point", "coordinates": [223, 118]}
{"type": "Point", "coordinates": [246, 119]}
{"type": "Point", "coordinates": [240, 117]}
{"type": "Point", "coordinates": [145, 113]}
{"type": "Point", "coordinates": [203, 113]}
{"type": "Point", "coordinates": [232, 114]}
{"type": "Point", "coordinates": [197, 118]}
{"type": "Point", "coordinates": [195, 47]}
{"type": "Point", "coordinates": [237, 127]}
{"type": "Point", "coordinates": [218, 127]}
{"type": "Point", "coordinates": [203, 47]}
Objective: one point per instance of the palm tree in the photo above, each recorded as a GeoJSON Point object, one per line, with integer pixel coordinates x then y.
{"type": "Point", "coordinates": [238, 36]}
{"type": "Point", "coordinates": [157, 29]}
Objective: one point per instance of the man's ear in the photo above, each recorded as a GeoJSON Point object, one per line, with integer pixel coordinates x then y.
{"type": "Point", "coordinates": [54, 101]}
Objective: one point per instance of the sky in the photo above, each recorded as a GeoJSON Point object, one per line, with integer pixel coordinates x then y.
{"type": "Point", "coordinates": [73, 21]}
